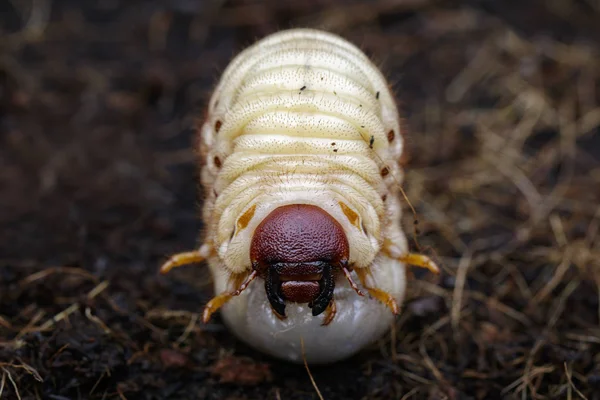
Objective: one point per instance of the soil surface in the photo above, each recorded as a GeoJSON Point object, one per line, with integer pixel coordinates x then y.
{"type": "Point", "coordinates": [98, 183]}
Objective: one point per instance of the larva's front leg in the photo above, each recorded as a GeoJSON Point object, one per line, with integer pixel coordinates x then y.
{"type": "Point", "coordinates": [330, 313]}
{"type": "Point", "coordinates": [411, 259]}
{"type": "Point", "coordinates": [239, 282]}
{"type": "Point", "coordinates": [417, 260]}
{"type": "Point", "coordinates": [186, 258]}
{"type": "Point", "coordinates": [378, 294]}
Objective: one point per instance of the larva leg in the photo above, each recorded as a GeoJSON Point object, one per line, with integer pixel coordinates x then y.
{"type": "Point", "coordinates": [378, 294]}
{"type": "Point", "coordinates": [329, 313]}
{"type": "Point", "coordinates": [351, 281]}
{"type": "Point", "coordinates": [185, 258]}
{"type": "Point", "coordinates": [218, 301]}
{"type": "Point", "coordinates": [419, 260]}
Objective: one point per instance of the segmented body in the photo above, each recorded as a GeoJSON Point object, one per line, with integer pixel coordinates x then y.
{"type": "Point", "coordinates": [304, 117]}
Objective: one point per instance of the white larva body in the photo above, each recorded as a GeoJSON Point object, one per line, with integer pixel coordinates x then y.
{"type": "Point", "coordinates": [304, 117]}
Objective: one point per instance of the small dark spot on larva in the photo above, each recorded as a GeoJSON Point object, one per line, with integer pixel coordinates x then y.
{"type": "Point", "coordinates": [333, 143]}
{"type": "Point", "coordinates": [218, 125]}
{"type": "Point", "coordinates": [390, 136]}
{"type": "Point", "coordinates": [385, 171]}
{"type": "Point", "coordinates": [321, 78]}
{"type": "Point", "coordinates": [215, 193]}
{"type": "Point", "coordinates": [217, 161]}
{"type": "Point", "coordinates": [416, 225]}
{"type": "Point", "coordinates": [384, 197]}
{"type": "Point", "coordinates": [362, 126]}
{"type": "Point", "coordinates": [302, 88]}
{"type": "Point", "coordinates": [334, 92]}
{"type": "Point", "coordinates": [335, 150]}
{"type": "Point", "coordinates": [360, 105]}
{"type": "Point", "coordinates": [371, 141]}
{"type": "Point", "coordinates": [377, 95]}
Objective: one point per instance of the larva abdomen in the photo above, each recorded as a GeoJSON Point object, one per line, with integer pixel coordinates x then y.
{"type": "Point", "coordinates": [307, 71]}
{"type": "Point", "coordinates": [306, 93]}
{"type": "Point", "coordinates": [301, 146]}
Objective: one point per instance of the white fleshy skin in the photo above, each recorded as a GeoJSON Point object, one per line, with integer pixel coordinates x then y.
{"type": "Point", "coordinates": [359, 321]}
{"type": "Point", "coordinates": [302, 117]}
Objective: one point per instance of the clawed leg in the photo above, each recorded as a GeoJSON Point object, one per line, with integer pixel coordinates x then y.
{"type": "Point", "coordinates": [419, 260]}
{"type": "Point", "coordinates": [377, 294]}
{"type": "Point", "coordinates": [218, 301]}
{"type": "Point", "coordinates": [188, 257]}
{"type": "Point", "coordinates": [329, 313]}
{"type": "Point", "coordinates": [350, 280]}
{"type": "Point", "coordinates": [240, 281]}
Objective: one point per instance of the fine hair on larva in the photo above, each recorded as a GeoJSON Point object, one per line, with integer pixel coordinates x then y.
{"type": "Point", "coordinates": [300, 153]}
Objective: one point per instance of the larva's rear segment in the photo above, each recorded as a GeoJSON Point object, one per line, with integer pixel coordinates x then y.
{"type": "Point", "coordinates": [301, 147]}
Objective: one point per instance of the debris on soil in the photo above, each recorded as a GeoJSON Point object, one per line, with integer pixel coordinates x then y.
{"type": "Point", "coordinates": [171, 358]}
{"type": "Point", "coordinates": [241, 371]}
{"type": "Point", "coordinates": [98, 182]}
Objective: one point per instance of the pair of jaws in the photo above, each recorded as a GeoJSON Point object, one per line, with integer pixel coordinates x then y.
{"type": "Point", "coordinates": [318, 297]}
{"type": "Point", "coordinates": [242, 281]}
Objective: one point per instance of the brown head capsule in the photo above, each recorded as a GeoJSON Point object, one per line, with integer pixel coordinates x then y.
{"type": "Point", "coordinates": [295, 249]}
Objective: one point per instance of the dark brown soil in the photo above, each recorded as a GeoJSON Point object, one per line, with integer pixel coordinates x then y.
{"type": "Point", "coordinates": [98, 101]}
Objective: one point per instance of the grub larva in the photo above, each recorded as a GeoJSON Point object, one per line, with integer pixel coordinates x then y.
{"type": "Point", "coordinates": [300, 151]}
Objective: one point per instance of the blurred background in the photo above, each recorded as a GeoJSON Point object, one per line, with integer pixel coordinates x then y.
{"type": "Point", "coordinates": [98, 185]}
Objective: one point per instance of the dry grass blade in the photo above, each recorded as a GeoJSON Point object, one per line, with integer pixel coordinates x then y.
{"type": "Point", "coordinates": [557, 278]}
{"type": "Point", "coordinates": [312, 380]}
{"type": "Point", "coordinates": [571, 384]}
{"type": "Point", "coordinates": [2, 383]}
{"type": "Point", "coordinates": [458, 294]}
{"type": "Point", "coordinates": [45, 273]}
{"type": "Point", "coordinates": [12, 381]}
{"type": "Point", "coordinates": [73, 308]}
